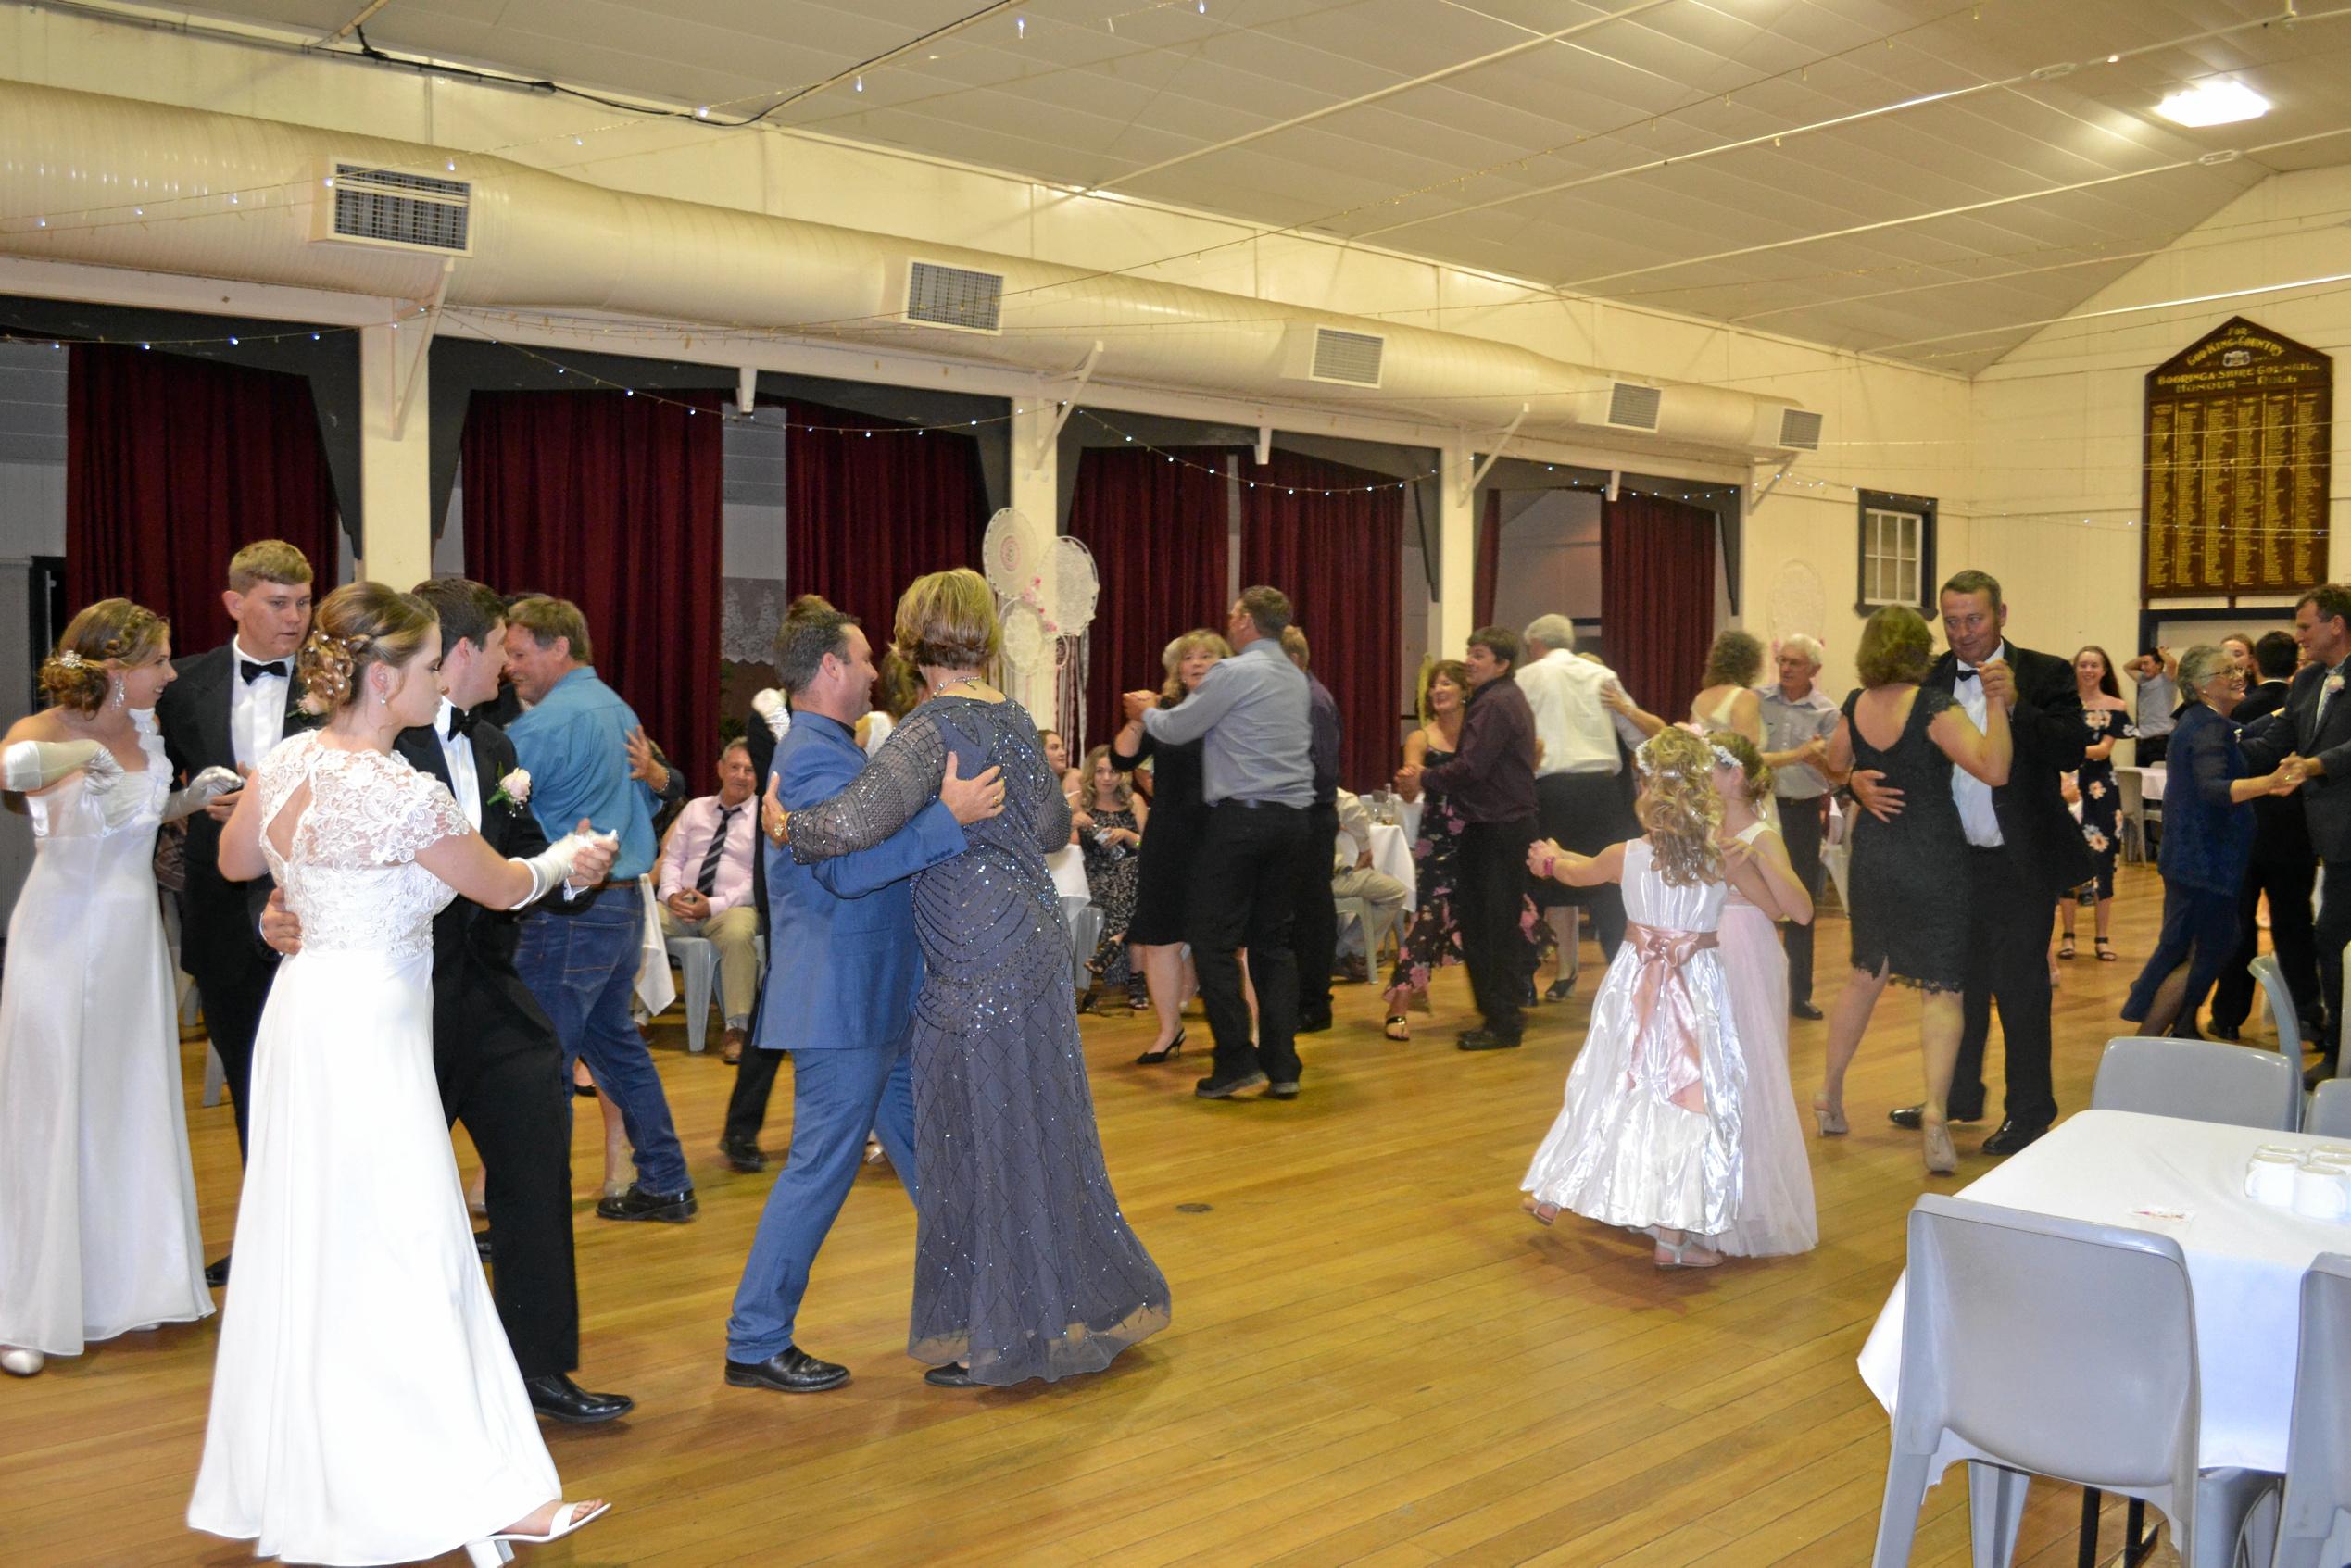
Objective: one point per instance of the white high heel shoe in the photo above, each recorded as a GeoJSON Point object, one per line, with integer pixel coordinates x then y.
{"type": "Point", "coordinates": [493, 1550]}
{"type": "Point", "coordinates": [18, 1362]}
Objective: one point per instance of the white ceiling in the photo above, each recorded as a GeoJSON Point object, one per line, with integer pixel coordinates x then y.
{"type": "Point", "coordinates": [1551, 164]}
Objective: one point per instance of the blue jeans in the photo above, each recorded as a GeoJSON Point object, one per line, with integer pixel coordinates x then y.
{"type": "Point", "coordinates": [836, 1097]}
{"type": "Point", "coordinates": [582, 969]}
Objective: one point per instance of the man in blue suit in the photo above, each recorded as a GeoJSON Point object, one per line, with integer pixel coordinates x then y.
{"type": "Point", "coordinates": [843, 968]}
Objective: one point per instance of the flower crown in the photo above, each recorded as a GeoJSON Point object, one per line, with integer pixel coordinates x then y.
{"type": "Point", "coordinates": [1724, 755]}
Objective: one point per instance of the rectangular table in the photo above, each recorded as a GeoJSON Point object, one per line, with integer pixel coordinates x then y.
{"type": "Point", "coordinates": [1391, 851]}
{"type": "Point", "coordinates": [2245, 1260]}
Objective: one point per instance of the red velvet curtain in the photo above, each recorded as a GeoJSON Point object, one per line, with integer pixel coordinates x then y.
{"type": "Point", "coordinates": [1340, 559]}
{"type": "Point", "coordinates": [615, 503]}
{"type": "Point", "coordinates": [865, 514]}
{"type": "Point", "coordinates": [1481, 598]}
{"type": "Point", "coordinates": [1158, 531]}
{"type": "Point", "coordinates": [1657, 597]}
{"type": "Point", "coordinates": [172, 464]}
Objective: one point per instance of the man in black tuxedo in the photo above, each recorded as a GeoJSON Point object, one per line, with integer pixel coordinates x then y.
{"type": "Point", "coordinates": [226, 708]}
{"type": "Point", "coordinates": [2284, 867]}
{"type": "Point", "coordinates": [494, 1051]}
{"type": "Point", "coordinates": [2310, 737]}
{"type": "Point", "coordinates": [2025, 849]}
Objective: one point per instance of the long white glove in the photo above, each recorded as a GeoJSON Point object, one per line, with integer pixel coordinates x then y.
{"type": "Point", "coordinates": [37, 764]}
{"type": "Point", "coordinates": [552, 866]}
{"type": "Point", "coordinates": [201, 790]}
{"type": "Point", "coordinates": [769, 705]}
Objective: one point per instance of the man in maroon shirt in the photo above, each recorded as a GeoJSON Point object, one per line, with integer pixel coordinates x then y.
{"type": "Point", "coordinates": [1491, 782]}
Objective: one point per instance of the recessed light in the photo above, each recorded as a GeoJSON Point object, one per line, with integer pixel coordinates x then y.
{"type": "Point", "coordinates": [2215, 102]}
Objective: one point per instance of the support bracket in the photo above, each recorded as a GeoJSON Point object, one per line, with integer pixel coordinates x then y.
{"type": "Point", "coordinates": [1770, 484]}
{"type": "Point", "coordinates": [1264, 444]}
{"type": "Point", "coordinates": [1477, 476]}
{"type": "Point", "coordinates": [1067, 406]}
{"type": "Point", "coordinates": [746, 390]}
{"type": "Point", "coordinates": [408, 361]}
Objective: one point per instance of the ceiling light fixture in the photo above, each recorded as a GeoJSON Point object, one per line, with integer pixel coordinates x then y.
{"type": "Point", "coordinates": [2219, 101]}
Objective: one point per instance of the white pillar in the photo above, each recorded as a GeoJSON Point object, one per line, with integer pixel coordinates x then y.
{"type": "Point", "coordinates": [1035, 472]}
{"type": "Point", "coordinates": [1454, 615]}
{"type": "Point", "coordinates": [396, 470]}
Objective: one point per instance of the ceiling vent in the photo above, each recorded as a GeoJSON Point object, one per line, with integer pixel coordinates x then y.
{"type": "Point", "coordinates": [1326, 354]}
{"type": "Point", "coordinates": [962, 298]}
{"type": "Point", "coordinates": [1800, 429]}
{"type": "Point", "coordinates": [1634, 407]}
{"type": "Point", "coordinates": [394, 210]}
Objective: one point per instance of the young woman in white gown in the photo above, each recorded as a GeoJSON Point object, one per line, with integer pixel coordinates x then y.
{"type": "Point", "coordinates": [97, 1201]}
{"type": "Point", "coordinates": [1652, 1134]}
{"type": "Point", "coordinates": [365, 1407]}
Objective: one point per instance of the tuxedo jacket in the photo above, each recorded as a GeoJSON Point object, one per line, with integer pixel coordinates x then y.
{"type": "Point", "coordinates": [2297, 729]}
{"type": "Point", "coordinates": [2043, 843]}
{"type": "Point", "coordinates": [220, 920]}
{"type": "Point", "coordinates": [2282, 833]}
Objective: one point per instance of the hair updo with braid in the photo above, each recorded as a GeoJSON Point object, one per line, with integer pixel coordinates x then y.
{"type": "Point", "coordinates": [110, 635]}
{"type": "Point", "coordinates": [358, 625]}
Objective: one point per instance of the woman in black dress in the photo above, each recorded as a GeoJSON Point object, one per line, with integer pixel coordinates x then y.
{"type": "Point", "coordinates": [1170, 838]}
{"type": "Point", "coordinates": [1908, 923]}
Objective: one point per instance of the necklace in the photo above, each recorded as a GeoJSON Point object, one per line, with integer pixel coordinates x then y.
{"type": "Point", "coordinates": [961, 681]}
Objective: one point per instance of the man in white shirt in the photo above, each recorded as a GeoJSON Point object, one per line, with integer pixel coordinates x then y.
{"type": "Point", "coordinates": [706, 882]}
{"type": "Point", "coordinates": [1579, 794]}
{"type": "Point", "coordinates": [1352, 876]}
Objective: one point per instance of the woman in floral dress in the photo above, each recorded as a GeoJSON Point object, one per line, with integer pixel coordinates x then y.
{"type": "Point", "coordinates": [1108, 823]}
{"type": "Point", "coordinates": [2109, 721]}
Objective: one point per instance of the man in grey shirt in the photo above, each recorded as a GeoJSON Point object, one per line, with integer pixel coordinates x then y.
{"type": "Point", "coordinates": [1798, 718]}
{"type": "Point", "coordinates": [1250, 713]}
{"type": "Point", "coordinates": [2156, 673]}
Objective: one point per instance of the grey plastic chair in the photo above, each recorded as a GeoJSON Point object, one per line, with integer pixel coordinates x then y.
{"type": "Point", "coordinates": [698, 964]}
{"type": "Point", "coordinates": [2318, 1483]}
{"type": "Point", "coordinates": [1085, 935]}
{"type": "Point", "coordinates": [1377, 927]}
{"type": "Point", "coordinates": [2330, 1112]}
{"type": "Point", "coordinates": [2036, 1346]}
{"type": "Point", "coordinates": [2199, 1081]}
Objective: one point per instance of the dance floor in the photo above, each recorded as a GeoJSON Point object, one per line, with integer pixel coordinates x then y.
{"type": "Point", "coordinates": [1376, 1357]}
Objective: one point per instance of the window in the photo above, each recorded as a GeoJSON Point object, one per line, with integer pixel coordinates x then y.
{"type": "Point", "coordinates": [1897, 552]}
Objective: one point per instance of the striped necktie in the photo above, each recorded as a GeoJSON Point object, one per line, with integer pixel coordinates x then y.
{"type": "Point", "coordinates": [707, 882]}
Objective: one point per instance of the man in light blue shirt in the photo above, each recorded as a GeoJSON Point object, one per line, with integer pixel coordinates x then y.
{"type": "Point", "coordinates": [579, 959]}
{"type": "Point", "coordinates": [1250, 713]}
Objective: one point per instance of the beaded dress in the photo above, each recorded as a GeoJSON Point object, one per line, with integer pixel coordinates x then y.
{"type": "Point", "coordinates": [1024, 1266]}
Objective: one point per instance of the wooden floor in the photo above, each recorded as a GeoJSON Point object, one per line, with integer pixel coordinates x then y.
{"type": "Point", "coordinates": [1376, 1358]}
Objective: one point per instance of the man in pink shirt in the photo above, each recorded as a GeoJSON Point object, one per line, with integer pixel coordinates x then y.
{"type": "Point", "coordinates": [706, 884]}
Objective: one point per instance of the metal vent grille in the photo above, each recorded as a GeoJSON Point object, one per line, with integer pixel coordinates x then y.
{"type": "Point", "coordinates": [1353, 357]}
{"type": "Point", "coordinates": [1800, 428]}
{"type": "Point", "coordinates": [386, 207]}
{"type": "Point", "coordinates": [1632, 407]}
{"type": "Point", "coordinates": [955, 296]}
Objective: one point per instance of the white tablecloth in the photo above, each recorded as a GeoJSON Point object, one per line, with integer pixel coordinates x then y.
{"type": "Point", "coordinates": [1068, 866]}
{"type": "Point", "coordinates": [1391, 852]}
{"type": "Point", "coordinates": [2245, 1260]}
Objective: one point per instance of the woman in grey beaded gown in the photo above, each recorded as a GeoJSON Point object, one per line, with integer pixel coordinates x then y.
{"type": "Point", "coordinates": [1024, 1266]}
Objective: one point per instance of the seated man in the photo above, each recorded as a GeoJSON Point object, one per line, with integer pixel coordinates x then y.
{"type": "Point", "coordinates": [1353, 877]}
{"type": "Point", "coordinates": [706, 884]}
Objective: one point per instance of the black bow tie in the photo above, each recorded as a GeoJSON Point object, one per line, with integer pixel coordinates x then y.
{"type": "Point", "coordinates": [253, 671]}
{"type": "Point", "coordinates": [1965, 674]}
{"type": "Point", "coordinates": [461, 722]}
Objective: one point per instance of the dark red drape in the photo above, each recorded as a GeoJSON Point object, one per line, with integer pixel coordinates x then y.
{"type": "Point", "coordinates": [1158, 531]}
{"type": "Point", "coordinates": [865, 514]}
{"type": "Point", "coordinates": [1340, 557]}
{"type": "Point", "coordinates": [615, 503]}
{"type": "Point", "coordinates": [1481, 596]}
{"type": "Point", "coordinates": [1657, 597]}
{"type": "Point", "coordinates": [172, 464]}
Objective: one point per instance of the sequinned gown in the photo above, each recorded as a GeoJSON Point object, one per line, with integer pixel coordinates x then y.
{"type": "Point", "coordinates": [1024, 1266]}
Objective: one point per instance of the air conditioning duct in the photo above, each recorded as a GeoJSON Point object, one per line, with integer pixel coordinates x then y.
{"type": "Point", "coordinates": [240, 199]}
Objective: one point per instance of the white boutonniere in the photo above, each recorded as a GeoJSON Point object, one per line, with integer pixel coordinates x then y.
{"type": "Point", "coordinates": [513, 791]}
{"type": "Point", "coordinates": [2334, 683]}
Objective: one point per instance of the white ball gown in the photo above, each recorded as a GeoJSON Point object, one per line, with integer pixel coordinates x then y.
{"type": "Point", "coordinates": [1775, 1215]}
{"type": "Point", "coordinates": [366, 1407]}
{"type": "Point", "coordinates": [97, 1202]}
{"type": "Point", "coordinates": [1651, 1137]}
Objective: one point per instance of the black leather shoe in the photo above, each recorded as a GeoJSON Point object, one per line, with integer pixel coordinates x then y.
{"type": "Point", "coordinates": [215, 1274]}
{"type": "Point", "coordinates": [557, 1397]}
{"type": "Point", "coordinates": [789, 1370]}
{"type": "Point", "coordinates": [2011, 1137]}
{"type": "Point", "coordinates": [2216, 1030]}
{"type": "Point", "coordinates": [1487, 1040]}
{"type": "Point", "coordinates": [670, 1207]}
{"type": "Point", "coordinates": [1282, 1088]}
{"type": "Point", "coordinates": [742, 1154]}
{"type": "Point", "coordinates": [1219, 1088]}
{"type": "Point", "coordinates": [1528, 1001]}
{"type": "Point", "coordinates": [954, 1374]}
{"type": "Point", "coordinates": [1560, 990]}
{"type": "Point", "coordinates": [1312, 1025]}
{"type": "Point", "coordinates": [1909, 1116]}
{"type": "Point", "coordinates": [481, 1245]}
{"type": "Point", "coordinates": [1806, 1011]}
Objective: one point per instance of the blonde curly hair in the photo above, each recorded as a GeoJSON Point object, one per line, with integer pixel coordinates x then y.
{"type": "Point", "coordinates": [1680, 808]}
{"type": "Point", "coordinates": [113, 634]}
{"type": "Point", "coordinates": [358, 625]}
{"type": "Point", "coordinates": [1751, 762]}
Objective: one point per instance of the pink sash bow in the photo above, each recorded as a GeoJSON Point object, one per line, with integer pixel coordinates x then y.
{"type": "Point", "coordinates": [1664, 1015]}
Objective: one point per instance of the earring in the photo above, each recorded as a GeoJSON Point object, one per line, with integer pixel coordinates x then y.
{"type": "Point", "coordinates": [118, 694]}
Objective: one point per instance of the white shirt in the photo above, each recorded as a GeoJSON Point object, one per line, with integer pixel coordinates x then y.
{"type": "Point", "coordinates": [1570, 720]}
{"type": "Point", "coordinates": [457, 755]}
{"type": "Point", "coordinates": [1970, 794]}
{"type": "Point", "coordinates": [256, 707]}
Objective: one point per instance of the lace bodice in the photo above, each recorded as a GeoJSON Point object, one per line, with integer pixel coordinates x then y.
{"type": "Point", "coordinates": [1650, 899]}
{"type": "Point", "coordinates": [84, 807]}
{"type": "Point", "coordinates": [349, 871]}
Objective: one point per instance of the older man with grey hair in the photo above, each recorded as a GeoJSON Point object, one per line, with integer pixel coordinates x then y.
{"type": "Point", "coordinates": [1578, 796]}
{"type": "Point", "coordinates": [1797, 719]}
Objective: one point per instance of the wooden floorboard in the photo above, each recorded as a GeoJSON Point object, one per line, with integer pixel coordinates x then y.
{"type": "Point", "coordinates": [1376, 1358]}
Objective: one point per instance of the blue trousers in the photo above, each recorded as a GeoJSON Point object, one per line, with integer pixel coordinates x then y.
{"type": "Point", "coordinates": [837, 1096]}
{"type": "Point", "coordinates": [583, 969]}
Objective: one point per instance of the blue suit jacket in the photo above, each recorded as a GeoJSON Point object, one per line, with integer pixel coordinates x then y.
{"type": "Point", "coordinates": [843, 959]}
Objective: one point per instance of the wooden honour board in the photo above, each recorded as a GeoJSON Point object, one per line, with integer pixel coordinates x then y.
{"type": "Point", "coordinates": [2237, 466]}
